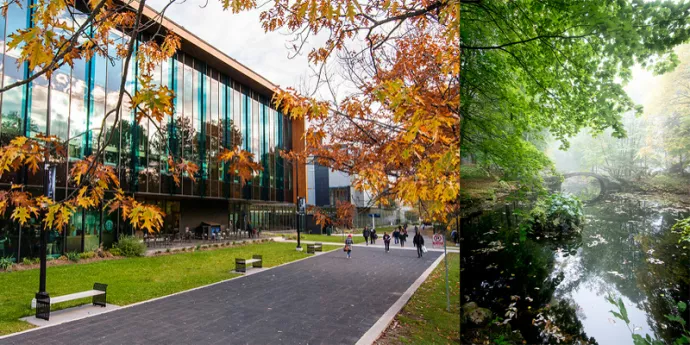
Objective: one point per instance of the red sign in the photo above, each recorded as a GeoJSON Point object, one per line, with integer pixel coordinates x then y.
{"type": "Point", "coordinates": [438, 240]}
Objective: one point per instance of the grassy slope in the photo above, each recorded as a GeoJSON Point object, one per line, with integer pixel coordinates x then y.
{"type": "Point", "coordinates": [132, 280]}
{"type": "Point", "coordinates": [424, 320]}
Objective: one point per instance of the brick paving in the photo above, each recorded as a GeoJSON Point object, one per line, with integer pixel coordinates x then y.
{"type": "Point", "coordinates": [324, 300]}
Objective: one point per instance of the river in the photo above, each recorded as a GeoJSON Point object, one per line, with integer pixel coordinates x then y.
{"type": "Point", "coordinates": [626, 249]}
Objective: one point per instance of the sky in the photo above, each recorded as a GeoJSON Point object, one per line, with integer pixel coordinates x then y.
{"type": "Point", "coordinates": [241, 37]}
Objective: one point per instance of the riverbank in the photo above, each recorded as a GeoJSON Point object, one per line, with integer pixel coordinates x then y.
{"type": "Point", "coordinates": [480, 191]}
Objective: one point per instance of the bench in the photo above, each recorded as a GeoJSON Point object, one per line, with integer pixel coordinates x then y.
{"type": "Point", "coordinates": [241, 264]}
{"type": "Point", "coordinates": [313, 248]}
{"type": "Point", "coordinates": [98, 297]}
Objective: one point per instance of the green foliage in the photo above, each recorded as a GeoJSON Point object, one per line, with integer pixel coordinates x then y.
{"type": "Point", "coordinates": [115, 251]}
{"type": "Point", "coordinates": [558, 212]}
{"type": "Point", "coordinates": [31, 261]}
{"type": "Point", "coordinates": [6, 263]}
{"type": "Point", "coordinates": [471, 171]}
{"type": "Point", "coordinates": [131, 246]}
{"type": "Point", "coordinates": [622, 314]}
{"type": "Point", "coordinates": [73, 256]}
{"type": "Point", "coordinates": [534, 67]}
{"type": "Point", "coordinates": [87, 255]}
{"type": "Point", "coordinates": [683, 227]}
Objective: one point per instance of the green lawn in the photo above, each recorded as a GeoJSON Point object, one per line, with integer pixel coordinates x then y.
{"type": "Point", "coordinates": [424, 320]}
{"type": "Point", "coordinates": [337, 238]}
{"type": "Point", "coordinates": [134, 279]}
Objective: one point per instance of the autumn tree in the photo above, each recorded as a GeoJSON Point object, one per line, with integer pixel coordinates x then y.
{"type": "Point", "coordinates": [51, 42]}
{"type": "Point", "coordinates": [342, 216]}
{"type": "Point", "coordinates": [396, 127]}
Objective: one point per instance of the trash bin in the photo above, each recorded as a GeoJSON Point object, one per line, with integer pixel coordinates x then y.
{"type": "Point", "coordinates": [329, 230]}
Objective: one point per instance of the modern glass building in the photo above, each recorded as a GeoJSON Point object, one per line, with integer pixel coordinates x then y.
{"type": "Point", "coordinates": [219, 103]}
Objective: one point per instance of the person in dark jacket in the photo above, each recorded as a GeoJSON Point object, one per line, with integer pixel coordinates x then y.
{"type": "Point", "coordinates": [348, 245]}
{"type": "Point", "coordinates": [418, 241]}
{"type": "Point", "coordinates": [250, 231]}
{"type": "Point", "coordinates": [366, 233]}
{"type": "Point", "coordinates": [396, 235]}
{"type": "Point", "coordinates": [373, 236]}
{"type": "Point", "coordinates": [403, 237]}
{"type": "Point", "coordinates": [387, 241]}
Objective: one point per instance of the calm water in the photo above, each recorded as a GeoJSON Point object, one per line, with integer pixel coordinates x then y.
{"type": "Point", "coordinates": [626, 250]}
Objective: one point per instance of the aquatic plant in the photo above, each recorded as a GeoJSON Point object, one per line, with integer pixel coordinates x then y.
{"type": "Point", "coordinates": [683, 227]}
{"type": "Point", "coordinates": [559, 212]}
{"type": "Point", "coordinates": [621, 313]}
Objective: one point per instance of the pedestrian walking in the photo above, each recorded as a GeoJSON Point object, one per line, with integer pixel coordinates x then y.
{"type": "Point", "coordinates": [403, 237]}
{"type": "Point", "coordinates": [387, 241]}
{"type": "Point", "coordinates": [416, 229]}
{"type": "Point", "coordinates": [455, 237]}
{"type": "Point", "coordinates": [249, 230]}
{"type": "Point", "coordinates": [366, 233]}
{"type": "Point", "coordinates": [418, 241]}
{"type": "Point", "coordinates": [348, 245]}
{"type": "Point", "coordinates": [396, 235]}
{"type": "Point", "coordinates": [373, 236]}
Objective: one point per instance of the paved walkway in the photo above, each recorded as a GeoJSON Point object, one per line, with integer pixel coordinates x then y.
{"type": "Point", "coordinates": [323, 300]}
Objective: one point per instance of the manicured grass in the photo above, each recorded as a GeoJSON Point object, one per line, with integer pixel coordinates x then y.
{"type": "Point", "coordinates": [425, 320]}
{"type": "Point", "coordinates": [134, 279]}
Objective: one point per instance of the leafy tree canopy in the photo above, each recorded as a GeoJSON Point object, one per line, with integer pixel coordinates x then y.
{"type": "Point", "coordinates": [531, 67]}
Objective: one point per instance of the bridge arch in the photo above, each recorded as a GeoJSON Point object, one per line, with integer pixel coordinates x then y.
{"type": "Point", "coordinates": [555, 183]}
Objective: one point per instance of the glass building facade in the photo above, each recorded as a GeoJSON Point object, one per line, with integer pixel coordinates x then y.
{"type": "Point", "coordinates": [213, 111]}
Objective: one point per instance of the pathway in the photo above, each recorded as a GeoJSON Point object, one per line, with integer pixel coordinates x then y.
{"type": "Point", "coordinates": [327, 299]}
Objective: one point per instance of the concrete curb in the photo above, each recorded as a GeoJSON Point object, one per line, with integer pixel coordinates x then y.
{"type": "Point", "coordinates": [382, 324]}
{"type": "Point", "coordinates": [162, 297]}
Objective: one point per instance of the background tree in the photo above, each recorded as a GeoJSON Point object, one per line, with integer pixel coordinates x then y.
{"type": "Point", "coordinates": [396, 127]}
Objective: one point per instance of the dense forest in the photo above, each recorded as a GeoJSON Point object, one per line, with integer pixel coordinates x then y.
{"type": "Point", "coordinates": [575, 176]}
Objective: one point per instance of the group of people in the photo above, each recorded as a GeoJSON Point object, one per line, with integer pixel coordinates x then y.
{"type": "Point", "coordinates": [399, 235]}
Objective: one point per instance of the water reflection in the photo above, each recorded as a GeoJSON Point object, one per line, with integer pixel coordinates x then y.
{"type": "Point", "coordinates": [625, 249]}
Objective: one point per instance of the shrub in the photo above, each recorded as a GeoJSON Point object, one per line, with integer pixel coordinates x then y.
{"type": "Point", "coordinates": [167, 250]}
{"type": "Point", "coordinates": [87, 255]}
{"type": "Point", "coordinates": [131, 246]}
{"type": "Point", "coordinates": [62, 257]}
{"type": "Point", "coordinates": [198, 246]}
{"type": "Point", "coordinates": [6, 263]}
{"type": "Point", "coordinates": [115, 251]}
{"type": "Point", "coordinates": [73, 256]}
{"type": "Point", "coordinates": [184, 249]}
{"type": "Point", "coordinates": [100, 252]}
{"type": "Point", "coordinates": [561, 213]}
{"type": "Point", "coordinates": [683, 228]}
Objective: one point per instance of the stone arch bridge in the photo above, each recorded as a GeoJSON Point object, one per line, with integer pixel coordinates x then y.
{"type": "Point", "coordinates": [606, 183]}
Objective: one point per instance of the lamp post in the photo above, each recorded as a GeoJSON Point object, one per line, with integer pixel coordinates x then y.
{"type": "Point", "coordinates": [300, 213]}
{"type": "Point", "coordinates": [48, 191]}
